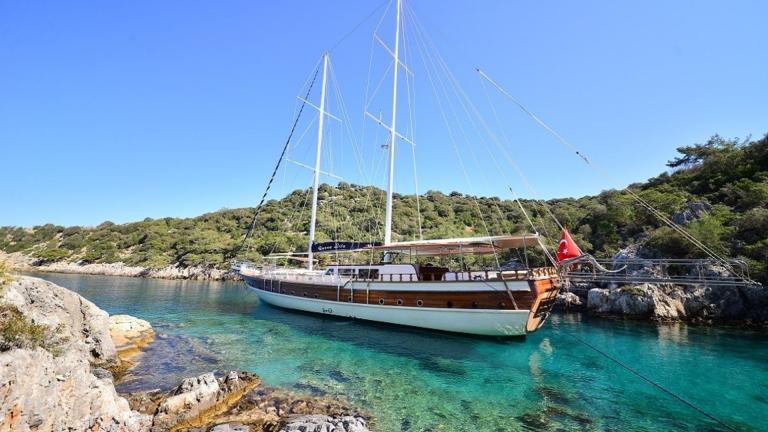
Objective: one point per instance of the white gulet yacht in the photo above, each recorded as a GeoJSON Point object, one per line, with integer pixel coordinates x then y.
{"type": "Point", "coordinates": [491, 303]}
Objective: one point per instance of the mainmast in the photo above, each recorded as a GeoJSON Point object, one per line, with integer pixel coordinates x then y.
{"type": "Point", "coordinates": [392, 130]}
{"type": "Point", "coordinates": [316, 183]}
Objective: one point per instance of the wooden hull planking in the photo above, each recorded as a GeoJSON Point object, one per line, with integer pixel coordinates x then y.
{"type": "Point", "coordinates": [464, 309]}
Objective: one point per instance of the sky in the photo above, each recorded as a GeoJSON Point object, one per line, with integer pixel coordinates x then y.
{"type": "Point", "coordinates": [125, 110]}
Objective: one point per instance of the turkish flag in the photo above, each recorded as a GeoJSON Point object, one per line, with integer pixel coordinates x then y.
{"type": "Point", "coordinates": [567, 247]}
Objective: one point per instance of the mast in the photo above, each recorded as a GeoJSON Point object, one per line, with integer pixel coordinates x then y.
{"type": "Point", "coordinates": [392, 131]}
{"type": "Point", "coordinates": [316, 183]}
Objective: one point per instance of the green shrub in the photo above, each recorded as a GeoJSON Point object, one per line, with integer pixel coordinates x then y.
{"type": "Point", "coordinates": [52, 254]}
{"type": "Point", "coordinates": [633, 290]}
{"type": "Point", "coordinates": [16, 331]}
{"type": "Point", "coordinates": [5, 274]}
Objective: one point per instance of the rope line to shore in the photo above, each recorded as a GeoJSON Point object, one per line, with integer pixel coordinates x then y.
{"type": "Point", "coordinates": [279, 162]}
{"type": "Point", "coordinates": [654, 383]}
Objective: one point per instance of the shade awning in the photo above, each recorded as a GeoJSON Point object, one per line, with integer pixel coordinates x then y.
{"type": "Point", "coordinates": [466, 245]}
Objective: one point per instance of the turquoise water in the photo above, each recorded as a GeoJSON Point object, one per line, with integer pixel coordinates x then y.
{"type": "Point", "coordinates": [413, 380]}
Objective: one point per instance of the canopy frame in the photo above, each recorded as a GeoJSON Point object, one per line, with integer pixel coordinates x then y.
{"type": "Point", "coordinates": [461, 245]}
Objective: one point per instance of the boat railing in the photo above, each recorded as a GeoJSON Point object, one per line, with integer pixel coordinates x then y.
{"type": "Point", "coordinates": [453, 276]}
{"type": "Point", "coordinates": [522, 274]}
{"type": "Point", "coordinates": [661, 271]}
{"type": "Point", "coordinates": [306, 276]}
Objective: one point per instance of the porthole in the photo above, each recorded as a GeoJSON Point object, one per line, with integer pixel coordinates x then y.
{"type": "Point", "coordinates": [317, 296]}
{"type": "Point", "coordinates": [502, 305]}
{"type": "Point", "coordinates": [474, 305]}
{"type": "Point", "coordinates": [349, 299]}
{"type": "Point", "coordinates": [449, 304]}
{"type": "Point", "coordinates": [399, 302]}
{"type": "Point", "coordinates": [419, 303]}
{"type": "Point", "coordinates": [381, 301]}
{"type": "Point", "coordinates": [305, 294]}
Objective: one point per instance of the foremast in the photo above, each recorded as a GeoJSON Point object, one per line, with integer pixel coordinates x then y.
{"type": "Point", "coordinates": [316, 180]}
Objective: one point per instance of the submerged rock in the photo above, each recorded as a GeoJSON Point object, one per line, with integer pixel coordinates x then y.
{"type": "Point", "coordinates": [130, 335]}
{"type": "Point", "coordinates": [237, 402]}
{"type": "Point", "coordinates": [197, 400]}
{"type": "Point", "coordinates": [230, 427]}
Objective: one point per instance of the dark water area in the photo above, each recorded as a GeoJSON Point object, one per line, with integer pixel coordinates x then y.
{"type": "Point", "coordinates": [414, 380]}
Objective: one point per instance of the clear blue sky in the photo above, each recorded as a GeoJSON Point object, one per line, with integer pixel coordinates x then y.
{"type": "Point", "coordinates": [124, 110]}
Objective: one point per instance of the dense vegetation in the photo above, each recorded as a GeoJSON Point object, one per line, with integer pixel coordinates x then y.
{"type": "Point", "coordinates": [730, 177]}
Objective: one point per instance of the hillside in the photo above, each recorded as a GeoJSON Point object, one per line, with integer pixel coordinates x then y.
{"type": "Point", "coordinates": [719, 189]}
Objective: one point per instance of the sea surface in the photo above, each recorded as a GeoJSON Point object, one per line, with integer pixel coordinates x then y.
{"type": "Point", "coordinates": [413, 380]}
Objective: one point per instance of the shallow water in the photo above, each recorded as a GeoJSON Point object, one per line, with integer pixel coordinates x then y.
{"type": "Point", "coordinates": [413, 380]}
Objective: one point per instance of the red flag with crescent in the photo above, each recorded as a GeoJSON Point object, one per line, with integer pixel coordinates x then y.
{"type": "Point", "coordinates": [567, 247]}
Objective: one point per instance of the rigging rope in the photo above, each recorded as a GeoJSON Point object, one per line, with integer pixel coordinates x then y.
{"type": "Point", "coordinates": [530, 222]}
{"type": "Point", "coordinates": [653, 383]}
{"type": "Point", "coordinates": [356, 150]}
{"type": "Point", "coordinates": [359, 24]}
{"type": "Point", "coordinates": [436, 84]}
{"type": "Point", "coordinates": [469, 107]}
{"type": "Point", "coordinates": [411, 93]}
{"type": "Point", "coordinates": [277, 165]}
{"type": "Point", "coordinates": [514, 165]}
{"type": "Point", "coordinates": [696, 242]}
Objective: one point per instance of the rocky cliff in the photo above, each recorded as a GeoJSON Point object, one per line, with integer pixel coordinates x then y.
{"type": "Point", "coordinates": [57, 358]}
{"type": "Point", "coordinates": [61, 385]}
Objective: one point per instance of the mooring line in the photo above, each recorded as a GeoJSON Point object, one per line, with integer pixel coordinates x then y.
{"type": "Point", "coordinates": [654, 383]}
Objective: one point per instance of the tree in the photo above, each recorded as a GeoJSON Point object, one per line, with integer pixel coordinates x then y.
{"type": "Point", "coordinates": [698, 153]}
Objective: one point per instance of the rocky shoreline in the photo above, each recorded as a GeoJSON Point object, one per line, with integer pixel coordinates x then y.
{"type": "Point", "coordinates": [20, 262]}
{"type": "Point", "coordinates": [658, 302]}
{"type": "Point", "coordinates": [704, 303]}
{"type": "Point", "coordinates": [668, 303]}
{"type": "Point", "coordinates": [61, 375]}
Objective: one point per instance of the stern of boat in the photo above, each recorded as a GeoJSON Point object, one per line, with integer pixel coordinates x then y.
{"type": "Point", "coordinates": [545, 285]}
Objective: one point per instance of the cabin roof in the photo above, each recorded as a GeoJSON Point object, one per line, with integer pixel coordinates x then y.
{"type": "Point", "coordinates": [467, 245]}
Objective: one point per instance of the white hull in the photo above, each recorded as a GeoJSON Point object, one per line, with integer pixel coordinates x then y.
{"type": "Point", "coordinates": [478, 322]}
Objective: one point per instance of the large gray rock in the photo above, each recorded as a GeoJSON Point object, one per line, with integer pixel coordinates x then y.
{"type": "Point", "coordinates": [41, 392]}
{"type": "Point", "coordinates": [324, 423]}
{"type": "Point", "coordinates": [83, 326]}
{"type": "Point", "coordinates": [47, 392]}
{"type": "Point", "coordinates": [640, 301]}
{"type": "Point", "coordinates": [567, 301]}
{"type": "Point", "coordinates": [675, 302]}
{"type": "Point", "coordinates": [692, 211]}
